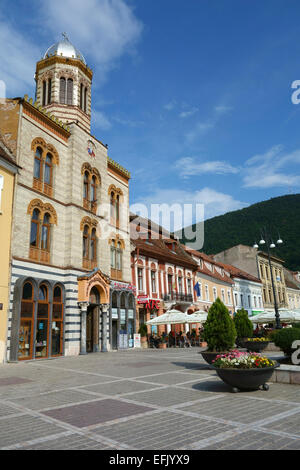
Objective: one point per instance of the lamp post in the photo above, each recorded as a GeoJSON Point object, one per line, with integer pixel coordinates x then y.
{"type": "Point", "coordinates": [266, 240]}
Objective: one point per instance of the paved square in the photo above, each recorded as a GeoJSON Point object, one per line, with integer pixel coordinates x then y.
{"type": "Point", "coordinates": [96, 412]}
{"type": "Point", "coordinates": [140, 399]}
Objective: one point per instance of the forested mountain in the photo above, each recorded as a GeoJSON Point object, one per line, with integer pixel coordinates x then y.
{"type": "Point", "coordinates": [280, 214]}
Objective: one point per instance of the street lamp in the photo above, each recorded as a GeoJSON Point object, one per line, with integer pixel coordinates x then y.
{"type": "Point", "coordinates": [268, 242]}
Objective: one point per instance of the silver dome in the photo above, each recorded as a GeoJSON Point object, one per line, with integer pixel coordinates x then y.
{"type": "Point", "coordinates": [64, 48]}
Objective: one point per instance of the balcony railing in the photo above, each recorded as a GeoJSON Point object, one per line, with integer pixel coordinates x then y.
{"type": "Point", "coordinates": [178, 297]}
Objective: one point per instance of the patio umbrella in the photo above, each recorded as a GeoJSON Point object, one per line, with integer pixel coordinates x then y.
{"type": "Point", "coordinates": [286, 316]}
{"type": "Point", "coordinates": [172, 317]}
{"type": "Point", "coordinates": [197, 317]}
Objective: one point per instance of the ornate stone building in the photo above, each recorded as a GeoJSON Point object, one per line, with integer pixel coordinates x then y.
{"type": "Point", "coordinates": [70, 227]}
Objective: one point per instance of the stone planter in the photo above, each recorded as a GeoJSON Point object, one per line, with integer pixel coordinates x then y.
{"type": "Point", "coordinates": [162, 346]}
{"type": "Point", "coordinates": [211, 356]}
{"type": "Point", "coordinates": [144, 342]}
{"type": "Point", "coordinates": [256, 346]}
{"type": "Point", "coordinates": [246, 379]}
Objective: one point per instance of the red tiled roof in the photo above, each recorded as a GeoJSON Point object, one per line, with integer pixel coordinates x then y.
{"type": "Point", "coordinates": [205, 270]}
{"type": "Point", "coordinates": [237, 272]}
{"type": "Point", "coordinates": [157, 248]}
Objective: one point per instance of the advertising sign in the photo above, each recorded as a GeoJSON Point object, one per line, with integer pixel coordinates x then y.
{"type": "Point", "coordinates": [137, 340]}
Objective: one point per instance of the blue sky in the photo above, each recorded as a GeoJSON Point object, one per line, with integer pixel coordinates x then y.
{"type": "Point", "coordinates": [194, 98]}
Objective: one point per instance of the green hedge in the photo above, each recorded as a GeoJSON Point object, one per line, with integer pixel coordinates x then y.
{"type": "Point", "coordinates": [284, 339]}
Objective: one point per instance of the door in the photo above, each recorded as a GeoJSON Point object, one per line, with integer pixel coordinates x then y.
{"type": "Point", "coordinates": [89, 330]}
{"type": "Point", "coordinates": [115, 334]}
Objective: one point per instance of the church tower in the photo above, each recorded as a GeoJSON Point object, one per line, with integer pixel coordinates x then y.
{"type": "Point", "coordinates": [63, 84]}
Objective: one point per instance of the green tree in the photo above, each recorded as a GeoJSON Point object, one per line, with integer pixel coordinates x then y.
{"type": "Point", "coordinates": [219, 330]}
{"type": "Point", "coordinates": [243, 325]}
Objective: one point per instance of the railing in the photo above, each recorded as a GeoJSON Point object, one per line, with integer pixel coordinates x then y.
{"type": "Point", "coordinates": [178, 297]}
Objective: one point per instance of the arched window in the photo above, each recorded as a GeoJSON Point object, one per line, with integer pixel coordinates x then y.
{"type": "Point", "coordinates": [116, 261]}
{"type": "Point", "coordinates": [44, 93]}
{"type": "Point", "coordinates": [94, 189]}
{"type": "Point", "coordinates": [57, 323]}
{"type": "Point", "coordinates": [45, 241]}
{"type": "Point", "coordinates": [35, 229]}
{"type": "Point", "coordinates": [93, 249]}
{"type": "Point", "coordinates": [81, 96]}
{"type": "Point", "coordinates": [112, 209]}
{"type": "Point", "coordinates": [118, 211]}
{"type": "Point", "coordinates": [85, 100]}
{"type": "Point", "coordinates": [48, 169]}
{"type": "Point", "coordinates": [62, 90]}
{"type": "Point", "coordinates": [42, 218]}
{"type": "Point", "coordinates": [85, 248]}
{"type": "Point", "coordinates": [70, 91]}
{"type": "Point", "coordinates": [37, 171]}
{"type": "Point", "coordinates": [49, 91]}
{"type": "Point", "coordinates": [86, 190]}
{"type": "Point", "coordinates": [119, 257]}
{"type": "Point", "coordinates": [42, 329]}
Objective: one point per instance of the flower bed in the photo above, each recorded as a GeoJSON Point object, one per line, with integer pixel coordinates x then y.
{"type": "Point", "coordinates": [242, 360]}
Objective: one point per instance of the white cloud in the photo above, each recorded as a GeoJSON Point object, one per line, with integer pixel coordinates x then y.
{"type": "Point", "coordinates": [102, 29]}
{"type": "Point", "coordinates": [215, 203]}
{"type": "Point", "coordinates": [191, 167]}
{"type": "Point", "coordinates": [18, 56]}
{"type": "Point", "coordinates": [189, 113]}
{"type": "Point", "coordinates": [100, 121]}
{"type": "Point", "coordinates": [171, 105]}
{"type": "Point", "coordinates": [265, 170]}
{"type": "Point", "coordinates": [201, 128]}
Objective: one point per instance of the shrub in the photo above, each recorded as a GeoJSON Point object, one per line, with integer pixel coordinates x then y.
{"type": "Point", "coordinates": [243, 325]}
{"type": "Point", "coordinates": [284, 339]}
{"type": "Point", "coordinates": [296, 325]}
{"type": "Point", "coordinates": [219, 331]}
{"type": "Point", "coordinates": [143, 330]}
{"type": "Point", "coordinates": [272, 334]}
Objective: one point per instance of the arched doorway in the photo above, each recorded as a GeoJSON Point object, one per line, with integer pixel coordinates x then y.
{"type": "Point", "coordinates": [92, 321]}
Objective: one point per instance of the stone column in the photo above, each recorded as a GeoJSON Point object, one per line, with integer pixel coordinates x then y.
{"type": "Point", "coordinates": [83, 306]}
{"type": "Point", "coordinates": [104, 309]}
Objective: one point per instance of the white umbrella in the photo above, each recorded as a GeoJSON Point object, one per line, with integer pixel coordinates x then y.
{"type": "Point", "coordinates": [172, 317]}
{"type": "Point", "coordinates": [197, 317]}
{"type": "Point", "coordinates": [286, 316]}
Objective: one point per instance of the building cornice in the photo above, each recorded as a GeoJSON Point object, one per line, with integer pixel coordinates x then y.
{"type": "Point", "coordinates": [49, 61]}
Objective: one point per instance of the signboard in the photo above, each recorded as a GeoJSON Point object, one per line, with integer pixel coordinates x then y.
{"type": "Point", "coordinates": [123, 286]}
{"type": "Point", "coordinates": [137, 340]}
{"type": "Point", "coordinates": [143, 299]}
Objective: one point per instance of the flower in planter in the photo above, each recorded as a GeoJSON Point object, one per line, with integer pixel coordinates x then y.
{"type": "Point", "coordinates": [242, 360]}
{"type": "Point", "coordinates": [257, 339]}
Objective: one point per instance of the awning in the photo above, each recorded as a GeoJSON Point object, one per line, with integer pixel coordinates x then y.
{"type": "Point", "coordinates": [286, 316]}
{"type": "Point", "coordinates": [172, 317]}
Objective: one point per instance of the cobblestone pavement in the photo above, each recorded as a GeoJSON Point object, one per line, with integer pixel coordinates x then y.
{"type": "Point", "coordinates": [141, 399]}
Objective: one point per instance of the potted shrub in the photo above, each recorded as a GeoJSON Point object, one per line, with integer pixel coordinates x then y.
{"type": "Point", "coordinates": [243, 326]}
{"type": "Point", "coordinates": [256, 344]}
{"type": "Point", "coordinates": [144, 335]}
{"type": "Point", "coordinates": [219, 331]}
{"type": "Point", "coordinates": [244, 370]}
{"type": "Point", "coordinates": [284, 339]}
{"type": "Point", "coordinates": [163, 340]}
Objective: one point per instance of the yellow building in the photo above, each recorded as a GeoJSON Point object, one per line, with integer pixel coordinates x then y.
{"type": "Point", "coordinates": [8, 169]}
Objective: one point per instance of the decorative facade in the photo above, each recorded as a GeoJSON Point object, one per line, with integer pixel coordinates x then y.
{"type": "Point", "coordinates": [71, 204]}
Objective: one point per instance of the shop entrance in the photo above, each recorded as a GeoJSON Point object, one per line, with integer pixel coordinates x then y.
{"type": "Point", "coordinates": [92, 322]}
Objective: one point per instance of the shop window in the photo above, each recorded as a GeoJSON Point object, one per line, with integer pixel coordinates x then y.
{"type": "Point", "coordinates": [26, 322]}
{"type": "Point", "coordinates": [42, 325]}
{"type": "Point", "coordinates": [57, 329]}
